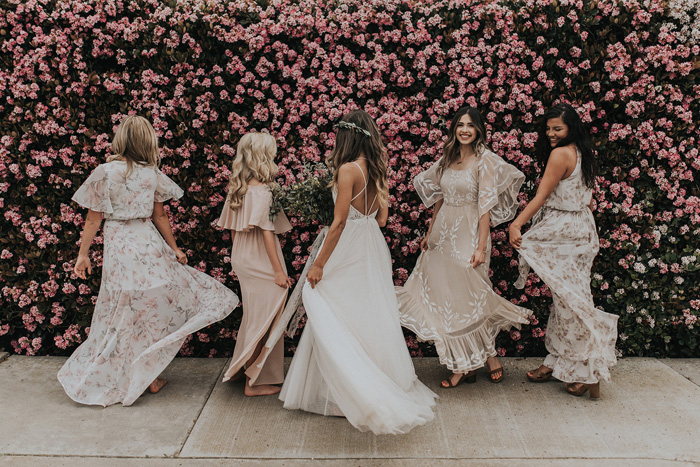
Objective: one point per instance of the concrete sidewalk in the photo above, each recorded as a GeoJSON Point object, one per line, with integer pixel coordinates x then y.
{"type": "Point", "coordinates": [648, 416]}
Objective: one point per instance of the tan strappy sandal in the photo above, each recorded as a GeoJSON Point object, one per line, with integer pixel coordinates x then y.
{"type": "Point", "coordinates": [539, 375]}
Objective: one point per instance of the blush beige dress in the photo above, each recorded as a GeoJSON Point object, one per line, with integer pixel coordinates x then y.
{"type": "Point", "coordinates": [560, 247]}
{"type": "Point", "coordinates": [445, 300]}
{"type": "Point", "coordinates": [262, 299]}
{"type": "Point", "coordinates": [148, 302]}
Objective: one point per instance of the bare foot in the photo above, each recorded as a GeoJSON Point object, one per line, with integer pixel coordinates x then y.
{"type": "Point", "coordinates": [261, 390]}
{"type": "Point", "coordinates": [157, 385]}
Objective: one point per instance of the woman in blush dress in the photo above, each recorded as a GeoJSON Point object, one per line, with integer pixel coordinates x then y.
{"type": "Point", "coordinates": [149, 300]}
{"type": "Point", "coordinates": [256, 258]}
{"type": "Point", "coordinates": [352, 358]}
{"type": "Point", "coordinates": [448, 299]}
{"type": "Point", "coordinates": [560, 247]}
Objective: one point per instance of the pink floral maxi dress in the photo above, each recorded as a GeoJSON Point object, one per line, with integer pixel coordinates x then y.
{"type": "Point", "coordinates": [560, 247]}
{"type": "Point", "coordinates": [263, 300]}
{"type": "Point", "coordinates": [446, 300]}
{"type": "Point", "coordinates": [148, 303]}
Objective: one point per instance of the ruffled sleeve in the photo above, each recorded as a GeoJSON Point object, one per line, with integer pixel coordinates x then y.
{"type": "Point", "coordinates": [499, 184]}
{"type": "Point", "coordinates": [166, 189]}
{"type": "Point", "coordinates": [428, 185]}
{"type": "Point", "coordinates": [254, 212]}
{"type": "Point", "coordinates": [94, 193]}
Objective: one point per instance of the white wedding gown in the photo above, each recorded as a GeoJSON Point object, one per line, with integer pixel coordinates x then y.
{"type": "Point", "coordinates": [352, 358]}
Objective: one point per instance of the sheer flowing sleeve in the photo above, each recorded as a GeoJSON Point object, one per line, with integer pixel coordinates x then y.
{"type": "Point", "coordinates": [427, 185]}
{"type": "Point", "coordinates": [254, 212]}
{"type": "Point", "coordinates": [166, 189]}
{"type": "Point", "coordinates": [94, 193]}
{"type": "Point", "coordinates": [499, 184]}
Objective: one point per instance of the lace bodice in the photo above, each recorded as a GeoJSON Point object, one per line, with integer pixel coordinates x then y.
{"type": "Point", "coordinates": [571, 193]}
{"type": "Point", "coordinates": [460, 187]}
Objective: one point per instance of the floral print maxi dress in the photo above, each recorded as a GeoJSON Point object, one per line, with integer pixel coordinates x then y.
{"type": "Point", "coordinates": [148, 302]}
{"type": "Point", "coordinates": [446, 300]}
{"type": "Point", "coordinates": [560, 247]}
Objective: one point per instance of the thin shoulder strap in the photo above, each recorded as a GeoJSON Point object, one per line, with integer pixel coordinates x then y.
{"type": "Point", "coordinates": [363, 189]}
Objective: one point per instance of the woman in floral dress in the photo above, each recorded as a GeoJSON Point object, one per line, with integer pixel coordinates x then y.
{"type": "Point", "coordinates": [448, 299]}
{"type": "Point", "coordinates": [560, 247]}
{"type": "Point", "coordinates": [149, 300]}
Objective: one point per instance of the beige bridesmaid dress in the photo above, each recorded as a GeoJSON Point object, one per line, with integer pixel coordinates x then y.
{"type": "Point", "coordinates": [262, 299]}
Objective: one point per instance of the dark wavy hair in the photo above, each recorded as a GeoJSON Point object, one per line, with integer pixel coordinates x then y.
{"type": "Point", "coordinates": [350, 143]}
{"type": "Point", "coordinates": [450, 152]}
{"type": "Point", "coordinates": [578, 135]}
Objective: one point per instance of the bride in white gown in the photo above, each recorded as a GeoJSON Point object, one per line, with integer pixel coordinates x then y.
{"type": "Point", "coordinates": [352, 359]}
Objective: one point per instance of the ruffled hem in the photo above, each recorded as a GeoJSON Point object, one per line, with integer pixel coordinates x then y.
{"type": "Point", "coordinates": [588, 371]}
{"type": "Point", "coordinates": [254, 212]}
{"type": "Point", "coordinates": [499, 185]}
{"type": "Point", "coordinates": [94, 192]}
{"type": "Point", "coordinates": [468, 351]}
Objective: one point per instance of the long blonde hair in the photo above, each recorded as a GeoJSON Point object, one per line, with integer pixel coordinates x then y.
{"type": "Point", "coordinates": [255, 158]}
{"type": "Point", "coordinates": [135, 142]}
{"type": "Point", "coordinates": [361, 136]}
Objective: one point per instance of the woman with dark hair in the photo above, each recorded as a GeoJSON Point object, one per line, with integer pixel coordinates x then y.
{"type": "Point", "coordinates": [560, 247]}
{"type": "Point", "coordinates": [448, 299]}
{"type": "Point", "coordinates": [352, 359]}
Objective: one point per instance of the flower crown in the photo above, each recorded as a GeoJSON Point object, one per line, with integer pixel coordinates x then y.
{"type": "Point", "coordinates": [351, 126]}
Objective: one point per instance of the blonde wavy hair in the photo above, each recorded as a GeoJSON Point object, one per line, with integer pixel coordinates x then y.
{"type": "Point", "coordinates": [255, 158]}
{"type": "Point", "coordinates": [360, 135]}
{"type": "Point", "coordinates": [136, 143]}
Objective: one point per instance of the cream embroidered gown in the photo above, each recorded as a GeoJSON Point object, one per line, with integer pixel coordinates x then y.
{"type": "Point", "coordinates": [352, 358]}
{"type": "Point", "coordinates": [262, 299]}
{"type": "Point", "coordinates": [560, 247]}
{"type": "Point", "coordinates": [148, 302]}
{"type": "Point", "coordinates": [446, 300]}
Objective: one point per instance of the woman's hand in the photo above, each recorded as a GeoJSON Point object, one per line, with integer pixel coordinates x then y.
{"type": "Point", "coordinates": [81, 265]}
{"type": "Point", "coordinates": [282, 280]}
{"type": "Point", "coordinates": [315, 275]}
{"type": "Point", "coordinates": [516, 238]}
{"type": "Point", "coordinates": [180, 256]}
{"type": "Point", "coordinates": [479, 257]}
{"type": "Point", "coordinates": [424, 242]}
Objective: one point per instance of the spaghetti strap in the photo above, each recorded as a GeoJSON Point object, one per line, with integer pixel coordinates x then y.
{"type": "Point", "coordinates": [363, 189]}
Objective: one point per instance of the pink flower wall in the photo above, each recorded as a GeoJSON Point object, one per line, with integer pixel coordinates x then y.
{"type": "Point", "coordinates": [207, 71]}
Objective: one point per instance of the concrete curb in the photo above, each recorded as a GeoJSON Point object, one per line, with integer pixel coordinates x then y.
{"type": "Point", "coordinates": [4, 356]}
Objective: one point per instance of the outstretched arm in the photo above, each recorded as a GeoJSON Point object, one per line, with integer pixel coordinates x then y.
{"type": "Point", "coordinates": [162, 223]}
{"type": "Point", "coordinates": [92, 225]}
{"type": "Point", "coordinates": [557, 165]}
{"type": "Point", "coordinates": [340, 215]}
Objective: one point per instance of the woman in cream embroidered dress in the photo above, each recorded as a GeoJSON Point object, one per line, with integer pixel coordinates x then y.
{"type": "Point", "coordinates": [352, 358]}
{"type": "Point", "coordinates": [256, 258]}
{"type": "Point", "coordinates": [149, 301]}
{"type": "Point", "coordinates": [448, 299]}
{"type": "Point", "coordinates": [560, 247]}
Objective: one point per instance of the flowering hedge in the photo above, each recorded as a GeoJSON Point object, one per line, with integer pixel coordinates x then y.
{"type": "Point", "coordinates": [207, 71]}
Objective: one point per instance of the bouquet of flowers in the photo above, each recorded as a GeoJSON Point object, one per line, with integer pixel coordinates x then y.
{"type": "Point", "coordinates": [309, 199]}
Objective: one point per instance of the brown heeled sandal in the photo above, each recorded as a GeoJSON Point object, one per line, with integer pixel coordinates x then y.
{"type": "Point", "coordinates": [469, 378]}
{"type": "Point", "coordinates": [495, 379]}
{"type": "Point", "coordinates": [592, 389]}
{"type": "Point", "coordinates": [539, 375]}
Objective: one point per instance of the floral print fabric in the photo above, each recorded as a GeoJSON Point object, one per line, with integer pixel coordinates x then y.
{"type": "Point", "coordinates": [148, 302]}
{"type": "Point", "coordinates": [446, 300]}
{"type": "Point", "coordinates": [560, 247]}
